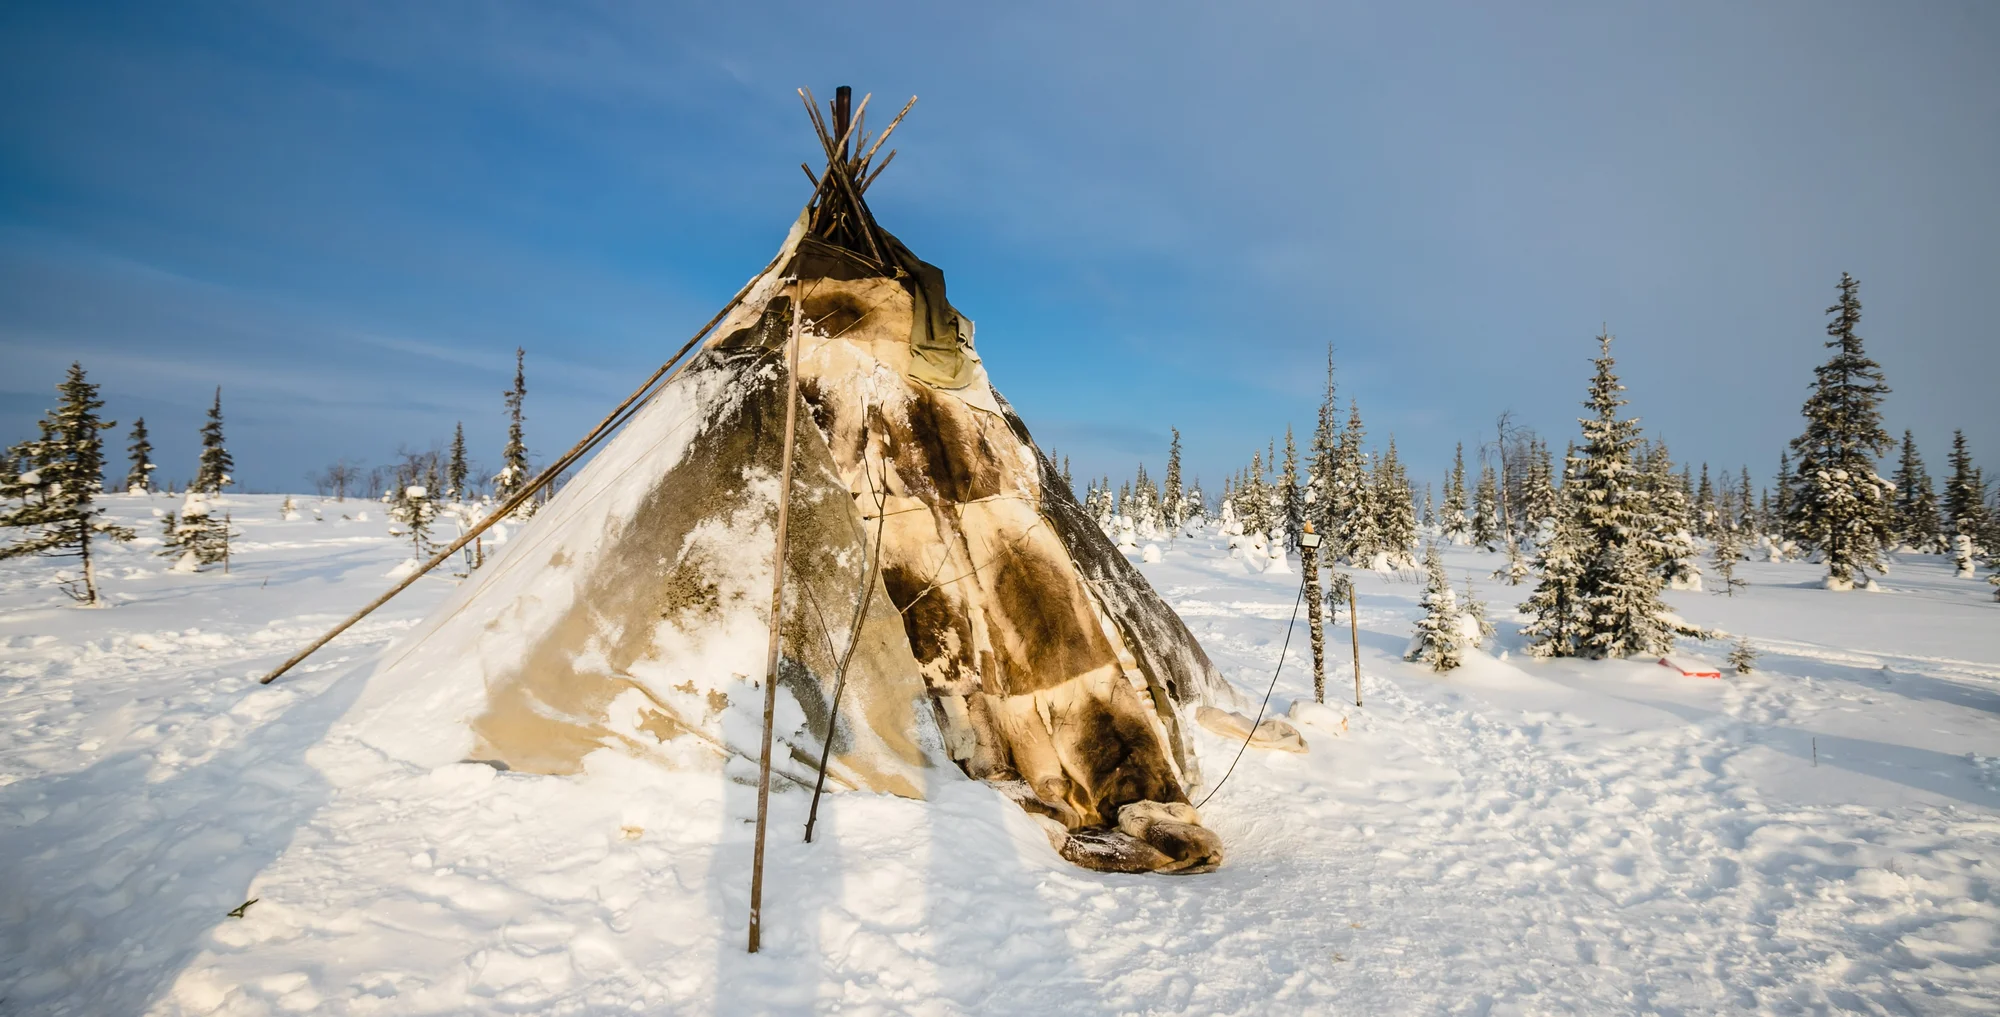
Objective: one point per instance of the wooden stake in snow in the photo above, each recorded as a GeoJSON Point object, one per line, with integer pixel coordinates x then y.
{"type": "Point", "coordinates": [777, 620]}
{"type": "Point", "coordinates": [1354, 630]}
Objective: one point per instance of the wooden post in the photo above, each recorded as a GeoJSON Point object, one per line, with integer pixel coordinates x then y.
{"type": "Point", "coordinates": [1309, 561]}
{"type": "Point", "coordinates": [1354, 630]}
{"type": "Point", "coordinates": [777, 624]}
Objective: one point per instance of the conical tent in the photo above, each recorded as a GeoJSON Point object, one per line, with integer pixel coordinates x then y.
{"type": "Point", "coordinates": [1004, 638]}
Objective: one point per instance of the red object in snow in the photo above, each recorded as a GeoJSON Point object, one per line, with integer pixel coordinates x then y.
{"type": "Point", "coordinates": [1690, 670]}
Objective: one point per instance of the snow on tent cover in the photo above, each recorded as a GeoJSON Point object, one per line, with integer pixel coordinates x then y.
{"type": "Point", "coordinates": [1006, 638]}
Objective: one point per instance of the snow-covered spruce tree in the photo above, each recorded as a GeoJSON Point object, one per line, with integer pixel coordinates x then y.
{"type": "Point", "coordinates": [212, 474]}
{"type": "Point", "coordinates": [51, 503]}
{"type": "Point", "coordinates": [1439, 641]}
{"type": "Point", "coordinates": [1916, 502]}
{"type": "Point", "coordinates": [1172, 498]}
{"type": "Point", "coordinates": [1395, 510]}
{"type": "Point", "coordinates": [1486, 510]}
{"type": "Point", "coordinates": [1456, 525]}
{"type": "Point", "coordinates": [1746, 505]}
{"type": "Point", "coordinates": [1101, 504]}
{"type": "Point", "coordinates": [1430, 513]}
{"type": "Point", "coordinates": [1611, 606]}
{"type": "Point", "coordinates": [1148, 520]}
{"type": "Point", "coordinates": [1666, 520]}
{"type": "Point", "coordinates": [1351, 516]}
{"type": "Point", "coordinates": [1068, 481]}
{"type": "Point", "coordinates": [196, 534]}
{"type": "Point", "coordinates": [412, 507]}
{"type": "Point", "coordinates": [1781, 508]}
{"type": "Point", "coordinates": [1626, 615]}
{"type": "Point", "coordinates": [1724, 556]}
{"type": "Point", "coordinates": [1558, 621]}
{"type": "Point", "coordinates": [1289, 496]}
{"type": "Point", "coordinates": [1472, 617]}
{"type": "Point", "coordinates": [456, 471]}
{"type": "Point", "coordinates": [1254, 499]}
{"type": "Point", "coordinates": [1516, 569]}
{"type": "Point", "coordinates": [1840, 507]}
{"type": "Point", "coordinates": [1707, 515]}
{"type": "Point", "coordinates": [514, 473]}
{"type": "Point", "coordinates": [1538, 497]}
{"type": "Point", "coordinates": [1965, 492]}
{"type": "Point", "coordinates": [1321, 455]}
{"type": "Point", "coordinates": [1194, 505]}
{"type": "Point", "coordinates": [139, 479]}
{"type": "Point", "coordinates": [1964, 555]}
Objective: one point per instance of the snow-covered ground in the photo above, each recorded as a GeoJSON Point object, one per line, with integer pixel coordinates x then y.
{"type": "Point", "coordinates": [1514, 837]}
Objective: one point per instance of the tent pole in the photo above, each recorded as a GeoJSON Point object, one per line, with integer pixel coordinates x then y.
{"type": "Point", "coordinates": [777, 620]}
{"type": "Point", "coordinates": [846, 658]}
{"type": "Point", "coordinates": [609, 424]}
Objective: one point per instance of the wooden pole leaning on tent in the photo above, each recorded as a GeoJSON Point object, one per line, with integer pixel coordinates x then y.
{"type": "Point", "coordinates": [777, 622]}
{"type": "Point", "coordinates": [597, 434]}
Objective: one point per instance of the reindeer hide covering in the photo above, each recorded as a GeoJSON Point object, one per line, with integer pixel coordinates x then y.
{"type": "Point", "coordinates": [1006, 638]}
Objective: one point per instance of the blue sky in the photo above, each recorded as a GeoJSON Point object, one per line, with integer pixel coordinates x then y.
{"type": "Point", "coordinates": [348, 215]}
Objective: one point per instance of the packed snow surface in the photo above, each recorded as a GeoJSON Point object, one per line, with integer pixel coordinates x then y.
{"type": "Point", "coordinates": [1514, 837]}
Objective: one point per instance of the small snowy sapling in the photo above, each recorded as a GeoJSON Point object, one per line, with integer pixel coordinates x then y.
{"type": "Point", "coordinates": [1742, 657]}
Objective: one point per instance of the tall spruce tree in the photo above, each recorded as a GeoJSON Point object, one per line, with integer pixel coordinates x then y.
{"type": "Point", "coordinates": [1351, 518]}
{"type": "Point", "coordinates": [455, 473]}
{"type": "Point", "coordinates": [514, 473]}
{"type": "Point", "coordinates": [1254, 499]}
{"type": "Point", "coordinates": [1452, 517]}
{"type": "Point", "coordinates": [1839, 505]}
{"type": "Point", "coordinates": [1746, 505]}
{"type": "Point", "coordinates": [212, 474]}
{"type": "Point", "coordinates": [1321, 456]}
{"type": "Point", "coordinates": [1614, 608]}
{"type": "Point", "coordinates": [1289, 495]}
{"type": "Point", "coordinates": [1395, 507]}
{"type": "Point", "coordinates": [1916, 501]}
{"type": "Point", "coordinates": [1965, 493]}
{"type": "Point", "coordinates": [1486, 509]}
{"type": "Point", "coordinates": [1724, 556]}
{"type": "Point", "coordinates": [1538, 493]}
{"type": "Point", "coordinates": [1666, 537]}
{"type": "Point", "coordinates": [1558, 619]}
{"type": "Point", "coordinates": [1174, 497]}
{"type": "Point", "coordinates": [51, 484]}
{"type": "Point", "coordinates": [1707, 514]}
{"type": "Point", "coordinates": [139, 479]}
{"type": "Point", "coordinates": [1781, 503]}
